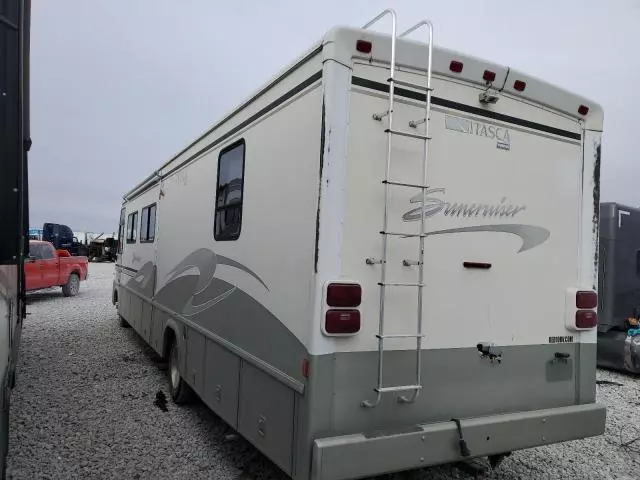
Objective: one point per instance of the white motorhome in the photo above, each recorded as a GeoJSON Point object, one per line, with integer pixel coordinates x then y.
{"type": "Point", "coordinates": [385, 259]}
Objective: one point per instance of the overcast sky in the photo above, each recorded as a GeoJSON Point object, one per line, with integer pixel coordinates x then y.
{"type": "Point", "coordinates": [119, 86]}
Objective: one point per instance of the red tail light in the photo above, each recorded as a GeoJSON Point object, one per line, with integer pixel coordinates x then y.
{"type": "Point", "coordinates": [583, 110]}
{"type": "Point", "coordinates": [455, 66]}
{"type": "Point", "coordinates": [586, 319]}
{"type": "Point", "coordinates": [363, 46]}
{"type": "Point", "coordinates": [344, 295]}
{"type": "Point", "coordinates": [342, 322]}
{"type": "Point", "coordinates": [489, 76]}
{"type": "Point", "coordinates": [519, 85]}
{"type": "Point", "coordinates": [586, 299]}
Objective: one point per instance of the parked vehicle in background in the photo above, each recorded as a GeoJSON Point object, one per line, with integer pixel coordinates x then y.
{"type": "Point", "coordinates": [619, 288]}
{"type": "Point", "coordinates": [35, 234]}
{"type": "Point", "coordinates": [62, 237]}
{"type": "Point", "coordinates": [384, 311]}
{"type": "Point", "coordinates": [15, 142]}
{"type": "Point", "coordinates": [47, 267]}
{"type": "Point", "coordinates": [104, 248]}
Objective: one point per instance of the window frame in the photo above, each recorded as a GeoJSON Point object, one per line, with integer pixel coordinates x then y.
{"type": "Point", "coordinates": [226, 237]}
{"type": "Point", "coordinates": [146, 238]}
{"type": "Point", "coordinates": [134, 230]}
{"type": "Point", "coordinates": [122, 228]}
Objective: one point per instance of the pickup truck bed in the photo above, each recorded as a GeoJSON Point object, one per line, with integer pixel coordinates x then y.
{"type": "Point", "coordinates": [47, 267]}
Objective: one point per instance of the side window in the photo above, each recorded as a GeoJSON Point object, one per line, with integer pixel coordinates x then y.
{"type": "Point", "coordinates": [35, 251]}
{"type": "Point", "coordinates": [132, 227]}
{"type": "Point", "coordinates": [148, 224]}
{"type": "Point", "coordinates": [121, 231]}
{"type": "Point", "coordinates": [47, 252]}
{"type": "Point", "coordinates": [66, 235]}
{"type": "Point", "coordinates": [229, 192]}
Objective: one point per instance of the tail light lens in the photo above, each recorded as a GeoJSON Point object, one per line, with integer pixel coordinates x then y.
{"type": "Point", "coordinates": [363, 46]}
{"type": "Point", "coordinates": [489, 76]}
{"type": "Point", "coordinates": [586, 299]}
{"type": "Point", "coordinates": [519, 85]}
{"type": "Point", "coordinates": [581, 313]}
{"type": "Point", "coordinates": [456, 66]}
{"type": "Point", "coordinates": [342, 322]}
{"type": "Point", "coordinates": [344, 295]}
{"type": "Point", "coordinates": [586, 319]}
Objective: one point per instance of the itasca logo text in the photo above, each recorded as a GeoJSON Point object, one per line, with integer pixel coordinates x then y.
{"type": "Point", "coordinates": [434, 205]}
{"type": "Point", "coordinates": [479, 129]}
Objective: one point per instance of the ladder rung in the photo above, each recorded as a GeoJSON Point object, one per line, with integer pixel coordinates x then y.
{"type": "Point", "coordinates": [398, 284]}
{"type": "Point", "coordinates": [401, 335]}
{"type": "Point", "coordinates": [407, 134]}
{"type": "Point", "coordinates": [424, 88]}
{"type": "Point", "coordinates": [404, 234]}
{"type": "Point", "coordinates": [399, 388]}
{"type": "Point", "coordinates": [402, 184]}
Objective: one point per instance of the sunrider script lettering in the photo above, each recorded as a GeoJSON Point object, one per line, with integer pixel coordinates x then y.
{"type": "Point", "coordinates": [434, 205]}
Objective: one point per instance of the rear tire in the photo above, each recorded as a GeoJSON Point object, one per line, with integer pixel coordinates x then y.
{"type": "Point", "coordinates": [72, 287]}
{"type": "Point", "coordinates": [181, 393]}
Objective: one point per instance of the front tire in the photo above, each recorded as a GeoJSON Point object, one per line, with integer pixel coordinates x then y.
{"type": "Point", "coordinates": [181, 393]}
{"type": "Point", "coordinates": [72, 287]}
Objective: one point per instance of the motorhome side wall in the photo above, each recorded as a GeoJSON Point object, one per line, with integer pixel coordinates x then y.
{"type": "Point", "coordinates": [241, 308]}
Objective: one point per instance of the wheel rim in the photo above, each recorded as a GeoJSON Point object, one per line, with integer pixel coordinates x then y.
{"type": "Point", "coordinates": [173, 368]}
{"type": "Point", "coordinates": [75, 284]}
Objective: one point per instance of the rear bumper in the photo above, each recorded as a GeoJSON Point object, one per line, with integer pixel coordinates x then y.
{"type": "Point", "coordinates": [362, 455]}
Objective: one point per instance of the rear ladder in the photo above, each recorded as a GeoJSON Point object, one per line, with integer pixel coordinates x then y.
{"type": "Point", "coordinates": [384, 283]}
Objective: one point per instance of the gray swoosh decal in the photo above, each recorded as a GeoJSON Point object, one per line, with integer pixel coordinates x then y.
{"type": "Point", "coordinates": [531, 236]}
{"type": "Point", "coordinates": [190, 309]}
{"type": "Point", "coordinates": [232, 263]}
{"type": "Point", "coordinates": [206, 262]}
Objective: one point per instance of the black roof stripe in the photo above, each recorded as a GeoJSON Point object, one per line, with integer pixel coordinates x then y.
{"type": "Point", "coordinates": [443, 102]}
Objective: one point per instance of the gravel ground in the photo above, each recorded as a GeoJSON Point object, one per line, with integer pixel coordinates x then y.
{"type": "Point", "coordinates": [84, 408]}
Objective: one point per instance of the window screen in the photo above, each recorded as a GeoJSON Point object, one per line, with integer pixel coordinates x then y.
{"type": "Point", "coordinates": [148, 224]}
{"type": "Point", "coordinates": [229, 192]}
{"type": "Point", "coordinates": [132, 226]}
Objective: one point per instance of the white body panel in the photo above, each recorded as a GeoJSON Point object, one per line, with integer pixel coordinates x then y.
{"type": "Point", "coordinates": [521, 299]}
{"type": "Point", "coordinates": [277, 239]}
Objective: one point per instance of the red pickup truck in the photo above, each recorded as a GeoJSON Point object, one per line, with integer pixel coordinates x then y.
{"type": "Point", "coordinates": [47, 267]}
